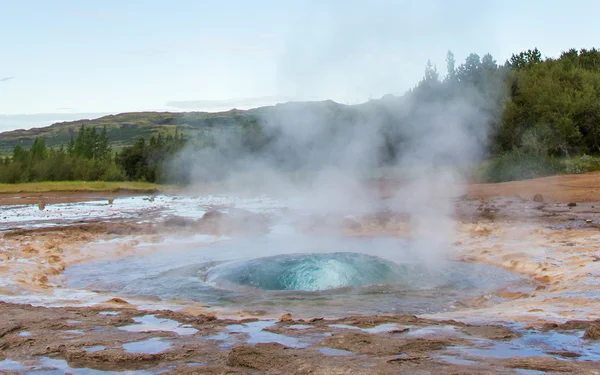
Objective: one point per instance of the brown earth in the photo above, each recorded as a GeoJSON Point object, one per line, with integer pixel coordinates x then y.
{"type": "Point", "coordinates": [499, 224]}
{"type": "Point", "coordinates": [565, 188]}
{"type": "Point", "coordinates": [27, 333]}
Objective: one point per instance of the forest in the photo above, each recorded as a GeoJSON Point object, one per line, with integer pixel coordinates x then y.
{"type": "Point", "coordinates": [537, 116]}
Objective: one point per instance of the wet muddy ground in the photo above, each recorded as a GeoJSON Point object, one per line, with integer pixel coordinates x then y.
{"type": "Point", "coordinates": [550, 324]}
{"type": "Point", "coordinates": [113, 337]}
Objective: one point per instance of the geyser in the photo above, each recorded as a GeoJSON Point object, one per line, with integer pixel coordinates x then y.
{"type": "Point", "coordinates": [305, 275]}
{"type": "Point", "coordinates": [310, 272]}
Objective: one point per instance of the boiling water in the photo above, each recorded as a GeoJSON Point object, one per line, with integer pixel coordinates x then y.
{"type": "Point", "coordinates": [312, 272]}
{"type": "Point", "coordinates": [292, 273]}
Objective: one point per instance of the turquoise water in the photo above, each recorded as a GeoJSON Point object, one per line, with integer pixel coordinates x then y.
{"type": "Point", "coordinates": [312, 272]}
{"type": "Point", "coordinates": [306, 276]}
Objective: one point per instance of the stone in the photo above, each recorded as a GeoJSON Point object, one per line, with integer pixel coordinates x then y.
{"type": "Point", "coordinates": [593, 332]}
{"type": "Point", "coordinates": [287, 317]}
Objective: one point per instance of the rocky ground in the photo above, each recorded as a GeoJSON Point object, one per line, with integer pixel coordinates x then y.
{"type": "Point", "coordinates": [546, 229]}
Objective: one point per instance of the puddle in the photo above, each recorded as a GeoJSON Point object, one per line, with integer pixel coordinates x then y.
{"type": "Point", "coordinates": [225, 337]}
{"type": "Point", "coordinates": [24, 334]}
{"type": "Point", "coordinates": [149, 323]}
{"type": "Point", "coordinates": [10, 365]}
{"type": "Point", "coordinates": [504, 350]}
{"type": "Point", "coordinates": [383, 328]}
{"type": "Point", "coordinates": [61, 367]}
{"type": "Point", "coordinates": [93, 349]}
{"type": "Point", "coordinates": [434, 331]}
{"type": "Point", "coordinates": [74, 331]}
{"type": "Point", "coordinates": [299, 326]}
{"type": "Point", "coordinates": [109, 313]}
{"type": "Point", "coordinates": [71, 321]}
{"type": "Point", "coordinates": [455, 360]}
{"type": "Point", "coordinates": [257, 336]}
{"type": "Point", "coordinates": [567, 342]}
{"type": "Point", "coordinates": [529, 372]}
{"type": "Point", "coordinates": [153, 345]}
{"type": "Point", "coordinates": [539, 344]}
{"type": "Point", "coordinates": [334, 352]}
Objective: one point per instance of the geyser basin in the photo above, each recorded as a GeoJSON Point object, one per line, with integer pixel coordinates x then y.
{"type": "Point", "coordinates": [307, 276]}
{"type": "Point", "coordinates": [312, 272]}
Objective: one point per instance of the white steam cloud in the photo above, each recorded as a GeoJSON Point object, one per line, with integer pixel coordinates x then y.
{"type": "Point", "coordinates": [329, 154]}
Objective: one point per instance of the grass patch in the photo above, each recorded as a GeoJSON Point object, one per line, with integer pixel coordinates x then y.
{"type": "Point", "coordinates": [79, 186]}
{"type": "Point", "coordinates": [514, 166]}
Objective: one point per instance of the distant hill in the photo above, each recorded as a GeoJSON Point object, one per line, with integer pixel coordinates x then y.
{"type": "Point", "coordinates": [125, 128]}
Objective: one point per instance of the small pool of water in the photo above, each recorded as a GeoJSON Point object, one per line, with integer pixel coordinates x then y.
{"type": "Point", "coordinates": [50, 366]}
{"type": "Point", "coordinates": [539, 344]}
{"type": "Point", "coordinates": [382, 328]}
{"type": "Point", "coordinates": [10, 365]}
{"type": "Point", "coordinates": [149, 323]}
{"type": "Point", "coordinates": [93, 349]}
{"type": "Point", "coordinates": [257, 333]}
{"type": "Point", "coordinates": [153, 345]}
{"type": "Point", "coordinates": [334, 352]}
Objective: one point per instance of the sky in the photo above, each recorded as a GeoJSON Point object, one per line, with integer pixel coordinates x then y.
{"type": "Point", "coordinates": [76, 58]}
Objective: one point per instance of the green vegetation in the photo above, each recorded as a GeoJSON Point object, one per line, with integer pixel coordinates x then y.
{"type": "Point", "coordinates": [532, 116]}
{"type": "Point", "coordinates": [89, 157]}
{"type": "Point", "coordinates": [146, 161]}
{"type": "Point", "coordinates": [544, 114]}
{"type": "Point", "coordinates": [78, 186]}
{"type": "Point", "coordinates": [126, 128]}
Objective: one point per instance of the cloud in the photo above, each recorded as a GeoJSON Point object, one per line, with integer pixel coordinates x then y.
{"type": "Point", "coordinates": [6, 79]}
{"type": "Point", "coordinates": [227, 103]}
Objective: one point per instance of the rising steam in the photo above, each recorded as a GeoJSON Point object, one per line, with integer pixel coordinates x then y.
{"type": "Point", "coordinates": [328, 155]}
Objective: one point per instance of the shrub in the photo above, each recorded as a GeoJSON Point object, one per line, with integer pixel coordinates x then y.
{"type": "Point", "coordinates": [516, 165]}
{"type": "Point", "coordinates": [583, 164]}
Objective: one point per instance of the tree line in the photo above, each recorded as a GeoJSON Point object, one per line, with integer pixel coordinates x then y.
{"type": "Point", "coordinates": [541, 116]}
{"type": "Point", "coordinates": [89, 157]}
{"type": "Point", "coordinates": [544, 113]}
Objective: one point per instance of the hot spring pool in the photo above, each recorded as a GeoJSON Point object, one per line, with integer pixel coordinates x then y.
{"type": "Point", "coordinates": [305, 276]}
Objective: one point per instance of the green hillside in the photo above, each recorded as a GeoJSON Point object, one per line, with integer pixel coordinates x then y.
{"type": "Point", "coordinates": [123, 129]}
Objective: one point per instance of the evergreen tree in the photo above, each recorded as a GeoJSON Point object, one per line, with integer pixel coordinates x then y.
{"type": "Point", "coordinates": [103, 146]}
{"type": "Point", "coordinates": [450, 67]}
{"type": "Point", "coordinates": [80, 142]}
{"type": "Point", "coordinates": [71, 146]}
